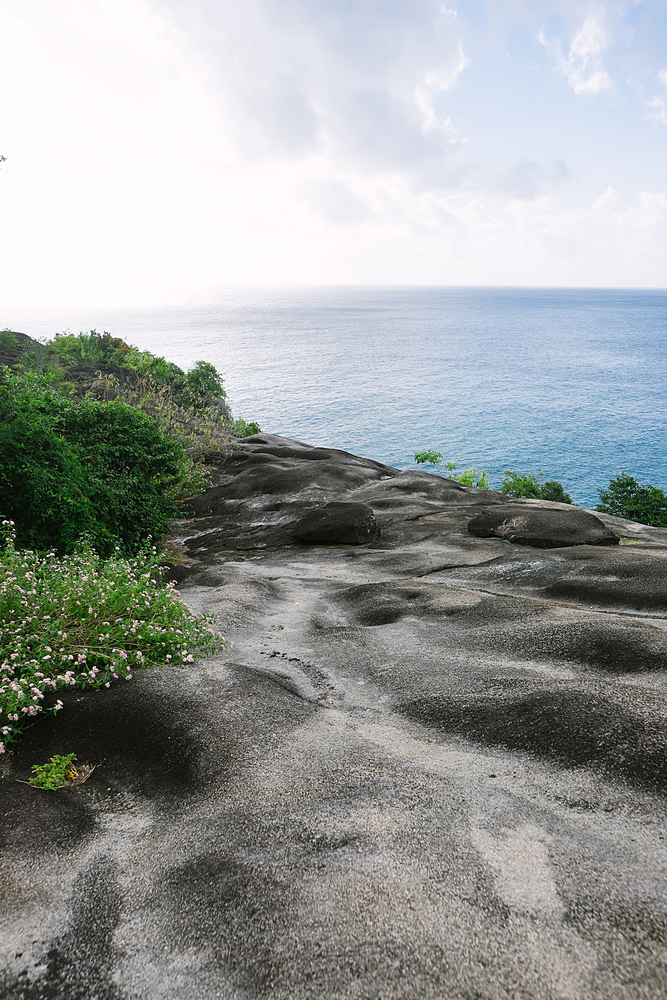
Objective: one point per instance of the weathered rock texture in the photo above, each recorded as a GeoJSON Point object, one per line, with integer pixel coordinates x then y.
{"type": "Point", "coordinates": [434, 764]}
{"type": "Point", "coordinates": [555, 528]}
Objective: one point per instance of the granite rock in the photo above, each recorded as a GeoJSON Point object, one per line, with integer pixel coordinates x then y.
{"type": "Point", "coordinates": [552, 527]}
{"type": "Point", "coordinates": [433, 765]}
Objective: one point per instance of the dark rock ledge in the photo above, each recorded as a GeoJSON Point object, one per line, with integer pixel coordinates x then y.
{"type": "Point", "coordinates": [434, 764]}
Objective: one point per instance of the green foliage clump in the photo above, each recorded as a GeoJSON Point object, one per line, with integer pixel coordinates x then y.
{"type": "Point", "coordinates": [8, 341]}
{"type": "Point", "coordinates": [428, 457]}
{"type": "Point", "coordinates": [157, 369]}
{"type": "Point", "coordinates": [55, 774]}
{"type": "Point", "coordinates": [468, 477]}
{"type": "Point", "coordinates": [81, 621]}
{"type": "Point", "coordinates": [97, 348]}
{"type": "Point", "coordinates": [515, 484]}
{"type": "Point", "coordinates": [70, 467]}
{"type": "Point", "coordinates": [197, 388]}
{"type": "Point", "coordinates": [244, 428]}
{"type": "Point", "coordinates": [203, 384]}
{"type": "Point", "coordinates": [188, 405]}
{"type": "Point", "coordinates": [625, 497]}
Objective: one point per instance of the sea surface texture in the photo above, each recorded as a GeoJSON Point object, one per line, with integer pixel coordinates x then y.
{"type": "Point", "coordinates": [569, 383]}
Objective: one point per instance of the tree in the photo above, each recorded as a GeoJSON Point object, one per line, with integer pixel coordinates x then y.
{"type": "Point", "coordinates": [624, 497]}
{"type": "Point", "coordinates": [516, 484]}
{"type": "Point", "coordinates": [468, 477]}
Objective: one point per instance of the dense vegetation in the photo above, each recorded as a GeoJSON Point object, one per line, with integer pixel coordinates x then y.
{"type": "Point", "coordinates": [191, 404]}
{"type": "Point", "coordinates": [624, 497]}
{"type": "Point", "coordinates": [197, 387]}
{"type": "Point", "coordinates": [71, 467]}
{"type": "Point", "coordinates": [112, 466]}
{"type": "Point", "coordinates": [514, 484]}
{"type": "Point", "coordinates": [98, 442]}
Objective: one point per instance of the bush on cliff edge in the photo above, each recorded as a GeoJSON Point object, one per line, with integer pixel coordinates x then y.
{"type": "Point", "coordinates": [71, 468]}
{"type": "Point", "coordinates": [625, 497]}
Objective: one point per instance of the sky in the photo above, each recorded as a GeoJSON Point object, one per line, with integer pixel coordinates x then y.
{"type": "Point", "coordinates": [165, 148]}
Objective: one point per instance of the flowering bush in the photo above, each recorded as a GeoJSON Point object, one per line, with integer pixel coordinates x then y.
{"type": "Point", "coordinates": [80, 621]}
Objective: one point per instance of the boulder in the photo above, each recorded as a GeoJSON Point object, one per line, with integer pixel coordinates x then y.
{"type": "Point", "coordinates": [337, 523]}
{"type": "Point", "coordinates": [542, 527]}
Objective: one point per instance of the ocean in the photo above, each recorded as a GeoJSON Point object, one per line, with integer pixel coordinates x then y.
{"type": "Point", "coordinates": [571, 383]}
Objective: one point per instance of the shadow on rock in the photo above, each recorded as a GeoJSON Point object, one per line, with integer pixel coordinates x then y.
{"type": "Point", "coordinates": [217, 891]}
{"type": "Point", "coordinates": [141, 740]}
{"type": "Point", "coordinates": [614, 649]}
{"type": "Point", "coordinates": [34, 819]}
{"type": "Point", "coordinates": [568, 728]}
{"type": "Point", "coordinates": [80, 964]}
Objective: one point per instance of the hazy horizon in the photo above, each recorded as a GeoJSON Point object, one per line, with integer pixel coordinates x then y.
{"type": "Point", "coordinates": [157, 150]}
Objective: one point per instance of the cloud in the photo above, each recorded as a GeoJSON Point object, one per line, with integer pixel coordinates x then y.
{"type": "Point", "coordinates": [657, 110]}
{"type": "Point", "coordinates": [606, 201]}
{"type": "Point", "coordinates": [336, 203]}
{"type": "Point", "coordinates": [657, 106]}
{"type": "Point", "coordinates": [196, 143]}
{"type": "Point", "coordinates": [355, 82]}
{"type": "Point", "coordinates": [582, 67]}
{"type": "Point", "coordinates": [527, 179]}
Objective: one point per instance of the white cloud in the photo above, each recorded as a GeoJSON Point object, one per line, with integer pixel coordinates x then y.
{"type": "Point", "coordinates": [606, 201]}
{"type": "Point", "coordinates": [657, 107]}
{"type": "Point", "coordinates": [336, 203]}
{"type": "Point", "coordinates": [354, 82]}
{"type": "Point", "coordinates": [527, 179]}
{"type": "Point", "coordinates": [583, 65]}
{"type": "Point", "coordinates": [181, 144]}
{"type": "Point", "coordinates": [657, 110]}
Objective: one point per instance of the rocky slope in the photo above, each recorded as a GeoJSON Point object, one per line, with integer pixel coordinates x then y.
{"type": "Point", "coordinates": [434, 764]}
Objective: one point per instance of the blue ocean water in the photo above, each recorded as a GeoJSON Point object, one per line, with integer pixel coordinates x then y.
{"type": "Point", "coordinates": [568, 382]}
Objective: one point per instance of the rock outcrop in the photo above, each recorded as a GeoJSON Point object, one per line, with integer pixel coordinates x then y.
{"type": "Point", "coordinates": [544, 527]}
{"type": "Point", "coordinates": [434, 764]}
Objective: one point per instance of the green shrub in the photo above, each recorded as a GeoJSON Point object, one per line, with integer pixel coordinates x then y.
{"type": "Point", "coordinates": [553, 490]}
{"type": "Point", "coordinates": [160, 371]}
{"type": "Point", "coordinates": [468, 477]}
{"type": "Point", "coordinates": [203, 384]}
{"type": "Point", "coordinates": [428, 457]}
{"type": "Point", "coordinates": [624, 497]}
{"type": "Point", "coordinates": [80, 621]}
{"type": "Point", "coordinates": [8, 341]}
{"type": "Point", "coordinates": [55, 774]}
{"type": "Point", "coordinates": [515, 484]}
{"type": "Point", "coordinates": [70, 467]}
{"type": "Point", "coordinates": [242, 428]}
{"type": "Point", "coordinates": [72, 349]}
{"type": "Point", "coordinates": [198, 388]}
